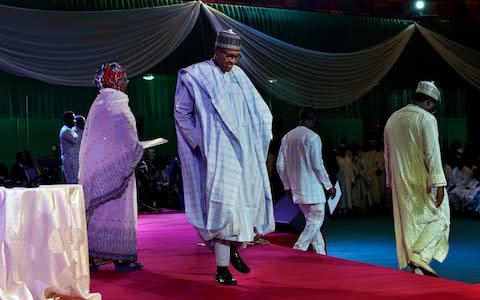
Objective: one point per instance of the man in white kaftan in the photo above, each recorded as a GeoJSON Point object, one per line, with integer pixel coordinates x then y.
{"type": "Point", "coordinates": [224, 129]}
{"type": "Point", "coordinates": [458, 181]}
{"type": "Point", "coordinates": [374, 166]}
{"type": "Point", "coordinates": [301, 169]}
{"type": "Point", "coordinates": [68, 141]}
{"type": "Point", "coordinates": [346, 178]}
{"type": "Point", "coordinates": [360, 192]}
{"type": "Point", "coordinates": [414, 172]}
{"type": "Point", "coordinates": [109, 153]}
{"type": "Point", "coordinates": [78, 129]}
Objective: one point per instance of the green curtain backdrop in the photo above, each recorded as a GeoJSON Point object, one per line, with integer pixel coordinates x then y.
{"type": "Point", "coordinates": [31, 112]}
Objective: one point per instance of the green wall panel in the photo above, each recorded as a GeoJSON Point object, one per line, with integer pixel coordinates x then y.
{"type": "Point", "coordinates": [36, 135]}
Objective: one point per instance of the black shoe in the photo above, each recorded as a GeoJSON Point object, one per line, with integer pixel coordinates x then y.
{"type": "Point", "coordinates": [224, 277]}
{"type": "Point", "coordinates": [237, 261]}
{"type": "Point", "coordinates": [94, 267]}
{"type": "Point", "coordinates": [127, 267]}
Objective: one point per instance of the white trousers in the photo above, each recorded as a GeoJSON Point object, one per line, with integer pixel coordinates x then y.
{"type": "Point", "coordinates": [222, 253]}
{"type": "Point", "coordinates": [314, 216]}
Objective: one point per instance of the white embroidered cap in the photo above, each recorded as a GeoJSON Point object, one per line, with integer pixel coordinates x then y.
{"type": "Point", "coordinates": [428, 88]}
{"type": "Point", "coordinates": [227, 39]}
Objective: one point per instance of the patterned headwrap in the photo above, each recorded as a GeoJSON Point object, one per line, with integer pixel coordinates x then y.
{"type": "Point", "coordinates": [108, 74]}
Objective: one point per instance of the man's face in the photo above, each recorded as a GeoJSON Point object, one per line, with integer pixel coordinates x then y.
{"type": "Point", "coordinates": [70, 120]}
{"type": "Point", "coordinates": [432, 106]}
{"type": "Point", "coordinates": [80, 122]}
{"type": "Point", "coordinates": [225, 59]}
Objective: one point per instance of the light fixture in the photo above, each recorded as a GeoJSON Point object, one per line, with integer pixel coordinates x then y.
{"type": "Point", "coordinates": [419, 5]}
{"type": "Point", "coordinates": [272, 81]}
{"type": "Point", "coordinates": [148, 77]}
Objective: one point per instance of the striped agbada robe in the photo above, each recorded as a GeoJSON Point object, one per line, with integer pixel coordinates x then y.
{"type": "Point", "coordinates": [413, 166]}
{"type": "Point", "coordinates": [223, 129]}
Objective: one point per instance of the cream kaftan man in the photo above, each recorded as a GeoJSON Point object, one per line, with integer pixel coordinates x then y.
{"type": "Point", "coordinates": [415, 175]}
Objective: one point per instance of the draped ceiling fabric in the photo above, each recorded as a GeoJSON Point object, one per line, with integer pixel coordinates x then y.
{"type": "Point", "coordinates": [463, 60]}
{"type": "Point", "coordinates": [312, 78]}
{"type": "Point", "coordinates": [64, 48]}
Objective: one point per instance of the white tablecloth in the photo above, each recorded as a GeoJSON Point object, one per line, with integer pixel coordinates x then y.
{"type": "Point", "coordinates": [44, 245]}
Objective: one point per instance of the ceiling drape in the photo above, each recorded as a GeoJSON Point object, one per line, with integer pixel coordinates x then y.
{"type": "Point", "coordinates": [312, 78]}
{"type": "Point", "coordinates": [464, 60]}
{"type": "Point", "coordinates": [64, 48]}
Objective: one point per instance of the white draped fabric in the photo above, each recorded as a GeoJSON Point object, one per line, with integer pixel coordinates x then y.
{"type": "Point", "coordinates": [64, 48]}
{"type": "Point", "coordinates": [462, 59]}
{"type": "Point", "coordinates": [311, 78]}
{"type": "Point", "coordinates": [44, 245]}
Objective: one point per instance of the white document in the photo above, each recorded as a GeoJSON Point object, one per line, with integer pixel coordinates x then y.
{"type": "Point", "coordinates": [333, 202]}
{"type": "Point", "coordinates": [153, 143]}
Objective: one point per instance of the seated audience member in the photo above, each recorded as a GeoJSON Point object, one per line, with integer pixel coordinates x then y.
{"type": "Point", "coordinates": [467, 195]}
{"type": "Point", "coordinates": [24, 171]}
{"type": "Point", "coordinates": [4, 176]}
{"type": "Point", "coordinates": [461, 176]}
{"type": "Point", "coordinates": [49, 167]}
{"type": "Point", "coordinates": [476, 202]}
{"type": "Point", "coordinates": [447, 169]}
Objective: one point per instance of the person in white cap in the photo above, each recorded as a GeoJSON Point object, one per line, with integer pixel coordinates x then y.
{"type": "Point", "coordinates": [224, 128]}
{"type": "Point", "coordinates": [415, 176]}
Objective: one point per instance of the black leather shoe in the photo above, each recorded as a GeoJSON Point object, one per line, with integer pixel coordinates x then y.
{"type": "Point", "coordinates": [94, 267]}
{"type": "Point", "coordinates": [224, 277]}
{"type": "Point", "coordinates": [237, 262]}
{"type": "Point", "coordinates": [126, 267]}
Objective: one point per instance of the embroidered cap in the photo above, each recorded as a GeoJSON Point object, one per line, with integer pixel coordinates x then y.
{"type": "Point", "coordinates": [227, 39]}
{"type": "Point", "coordinates": [428, 88]}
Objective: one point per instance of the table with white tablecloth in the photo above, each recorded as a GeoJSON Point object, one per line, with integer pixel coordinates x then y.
{"type": "Point", "coordinates": [43, 243]}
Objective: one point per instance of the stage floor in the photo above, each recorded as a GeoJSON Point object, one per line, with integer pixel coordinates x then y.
{"type": "Point", "coordinates": [177, 268]}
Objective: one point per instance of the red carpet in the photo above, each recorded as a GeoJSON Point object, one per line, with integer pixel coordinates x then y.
{"type": "Point", "coordinates": [176, 268]}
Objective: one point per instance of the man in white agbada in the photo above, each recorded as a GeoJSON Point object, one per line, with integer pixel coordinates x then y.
{"type": "Point", "coordinates": [345, 177]}
{"type": "Point", "coordinates": [460, 177]}
{"type": "Point", "coordinates": [78, 129]}
{"type": "Point", "coordinates": [301, 169]}
{"type": "Point", "coordinates": [109, 153]}
{"type": "Point", "coordinates": [68, 141]}
{"type": "Point", "coordinates": [414, 173]}
{"type": "Point", "coordinates": [224, 130]}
